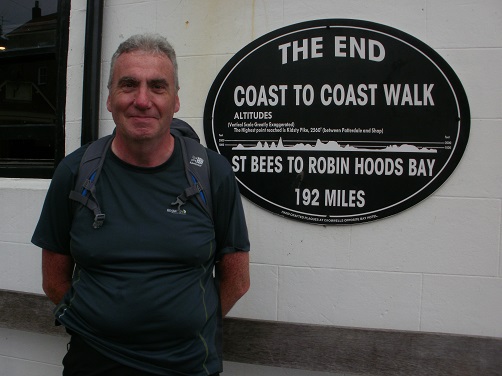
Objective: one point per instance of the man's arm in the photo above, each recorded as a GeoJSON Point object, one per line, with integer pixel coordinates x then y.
{"type": "Point", "coordinates": [233, 272]}
{"type": "Point", "coordinates": [57, 270]}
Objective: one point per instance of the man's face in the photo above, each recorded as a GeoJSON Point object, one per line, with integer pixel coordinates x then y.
{"type": "Point", "coordinates": [143, 97]}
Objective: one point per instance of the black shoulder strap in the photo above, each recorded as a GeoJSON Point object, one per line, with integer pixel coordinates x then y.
{"type": "Point", "coordinates": [88, 174]}
{"type": "Point", "coordinates": [198, 172]}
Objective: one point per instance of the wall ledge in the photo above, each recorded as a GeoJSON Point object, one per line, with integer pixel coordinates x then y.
{"type": "Point", "coordinates": [360, 351]}
{"type": "Point", "coordinates": [25, 183]}
{"type": "Point", "coordinates": [310, 347]}
{"type": "Point", "coordinates": [28, 312]}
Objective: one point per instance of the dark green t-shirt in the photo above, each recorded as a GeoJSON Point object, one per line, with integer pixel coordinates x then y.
{"type": "Point", "coordinates": [143, 291]}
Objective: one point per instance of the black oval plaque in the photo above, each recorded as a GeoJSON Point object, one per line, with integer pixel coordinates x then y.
{"type": "Point", "coordinates": [338, 121]}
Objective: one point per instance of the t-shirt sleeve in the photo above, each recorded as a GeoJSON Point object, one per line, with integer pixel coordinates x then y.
{"type": "Point", "coordinates": [230, 222]}
{"type": "Point", "coordinates": [53, 228]}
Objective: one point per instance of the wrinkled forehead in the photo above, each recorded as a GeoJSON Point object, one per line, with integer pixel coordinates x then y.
{"type": "Point", "coordinates": [143, 64]}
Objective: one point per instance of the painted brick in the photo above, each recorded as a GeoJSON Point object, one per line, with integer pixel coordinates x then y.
{"type": "Point", "coordinates": [20, 269]}
{"type": "Point", "coordinates": [349, 298]}
{"type": "Point", "coordinates": [13, 366]}
{"type": "Point", "coordinates": [120, 22]}
{"type": "Point", "coordinates": [196, 75]}
{"type": "Point", "coordinates": [462, 305]}
{"type": "Point", "coordinates": [408, 16]}
{"type": "Point", "coordinates": [454, 24]}
{"type": "Point", "coordinates": [260, 302]}
{"type": "Point", "coordinates": [76, 45]}
{"type": "Point", "coordinates": [72, 135]}
{"type": "Point", "coordinates": [20, 212]}
{"type": "Point", "coordinates": [439, 235]}
{"type": "Point", "coordinates": [36, 347]}
{"type": "Point", "coordinates": [216, 27]}
{"type": "Point", "coordinates": [281, 241]}
{"type": "Point", "coordinates": [74, 80]}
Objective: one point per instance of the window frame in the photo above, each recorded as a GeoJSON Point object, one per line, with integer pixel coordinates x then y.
{"type": "Point", "coordinates": [38, 168]}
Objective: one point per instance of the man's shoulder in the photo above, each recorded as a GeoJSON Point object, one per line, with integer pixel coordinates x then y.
{"type": "Point", "coordinates": [72, 160]}
{"type": "Point", "coordinates": [216, 157]}
{"type": "Point", "coordinates": [218, 162]}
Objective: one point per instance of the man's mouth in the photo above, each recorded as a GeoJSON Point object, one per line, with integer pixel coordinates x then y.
{"type": "Point", "coordinates": [146, 117]}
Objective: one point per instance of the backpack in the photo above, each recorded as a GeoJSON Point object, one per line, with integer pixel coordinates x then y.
{"type": "Point", "coordinates": [194, 158]}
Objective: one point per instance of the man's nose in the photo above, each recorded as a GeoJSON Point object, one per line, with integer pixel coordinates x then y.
{"type": "Point", "coordinates": [142, 99]}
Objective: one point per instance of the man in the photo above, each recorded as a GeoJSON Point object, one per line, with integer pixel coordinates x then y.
{"type": "Point", "coordinates": [138, 294]}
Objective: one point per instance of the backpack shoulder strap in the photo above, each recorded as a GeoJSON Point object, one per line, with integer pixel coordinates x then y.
{"type": "Point", "coordinates": [88, 174]}
{"type": "Point", "coordinates": [197, 167]}
{"type": "Point", "coordinates": [197, 172]}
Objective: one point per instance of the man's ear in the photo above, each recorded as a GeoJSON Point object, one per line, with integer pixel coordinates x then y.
{"type": "Point", "coordinates": [177, 104]}
{"type": "Point", "coordinates": [108, 104]}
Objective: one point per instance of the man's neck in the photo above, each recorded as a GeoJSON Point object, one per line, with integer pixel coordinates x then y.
{"type": "Point", "coordinates": [145, 153]}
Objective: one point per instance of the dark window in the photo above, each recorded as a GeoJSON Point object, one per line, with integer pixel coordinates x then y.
{"type": "Point", "coordinates": [33, 51]}
{"type": "Point", "coordinates": [42, 75]}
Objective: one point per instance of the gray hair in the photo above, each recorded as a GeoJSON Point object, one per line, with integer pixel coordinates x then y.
{"type": "Point", "coordinates": [153, 43]}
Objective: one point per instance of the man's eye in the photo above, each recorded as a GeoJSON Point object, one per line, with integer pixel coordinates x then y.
{"type": "Point", "coordinates": [127, 84]}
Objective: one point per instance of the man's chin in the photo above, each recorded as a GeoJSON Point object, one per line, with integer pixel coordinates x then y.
{"type": "Point", "coordinates": [144, 133]}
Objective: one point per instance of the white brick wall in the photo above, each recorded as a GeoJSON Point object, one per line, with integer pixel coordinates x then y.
{"type": "Point", "coordinates": [27, 354]}
{"type": "Point", "coordinates": [435, 267]}
{"type": "Point", "coordinates": [21, 201]}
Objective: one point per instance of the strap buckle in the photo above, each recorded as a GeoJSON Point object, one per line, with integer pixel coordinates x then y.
{"type": "Point", "coordinates": [180, 200]}
{"type": "Point", "coordinates": [98, 220]}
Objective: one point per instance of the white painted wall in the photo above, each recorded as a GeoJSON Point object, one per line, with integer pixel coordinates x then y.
{"type": "Point", "coordinates": [435, 267]}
